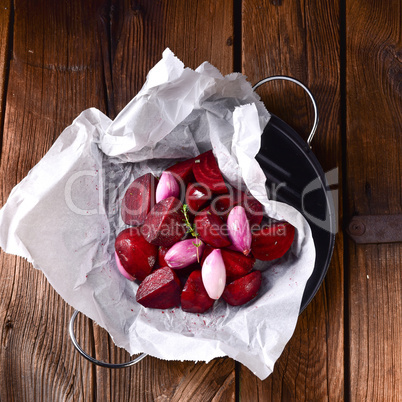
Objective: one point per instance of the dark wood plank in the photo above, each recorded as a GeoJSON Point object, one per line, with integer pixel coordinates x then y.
{"type": "Point", "coordinates": [5, 22]}
{"type": "Point", "coordinates": [153, 379]}
{"type": "Point", "coordinates": [52, 78]}
{"type": "Point", "coordinates": [302, 40]}
{"type": "Point", "coordinates": [201, 31]}
{"type": "Point", "coordinates": [195, 31]}
{"type": "Point", "coordinates": [374, 166]}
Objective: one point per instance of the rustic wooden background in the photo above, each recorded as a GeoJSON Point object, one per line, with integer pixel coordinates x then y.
{"type": "Point", "coordinates": [58, 58]}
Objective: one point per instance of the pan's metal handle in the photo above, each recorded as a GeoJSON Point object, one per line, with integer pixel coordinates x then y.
{"type": "Point", "coordinates": [90, 358]}
{"type": "Point", "coordinates": [286, 78]}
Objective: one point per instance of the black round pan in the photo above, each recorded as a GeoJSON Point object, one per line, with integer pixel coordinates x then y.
{"type": "Point", "coordinates": [288, 160]}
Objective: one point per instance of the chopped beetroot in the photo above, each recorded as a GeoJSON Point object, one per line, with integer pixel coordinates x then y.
{"type": "Point", "coordinates": [211, 228]}
{"type": "Point", "coordinates": [135, 254]}
{"type": "Point", "coordinates": [197, 195]}
{"type": "Point", "coordinates": [160, 290]}
{"type": "Point", "coordinates": [161, 256]}
{"type": "Point", "coordinates": [273, 241]}
{"type": "Point", "coordinates": [242, 290]}
{"type": "Point", "coordinates": [206, 171]}
{"type": "Point", "coordinates": [194, 297]}
{"type": "Point", "coordinates": [164, 225]}
{"type": "Point", "coordinates": [138, 200]}
{"type": "Point", "coordinates": [236, 264]}
{"type": "Point", "coordinates": [183, 171]}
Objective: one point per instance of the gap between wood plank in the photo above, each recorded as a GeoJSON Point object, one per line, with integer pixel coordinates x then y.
{"type": "Point", "coordinates": [8, 55]}
{"type": "Point", "coordinates": [346, 212]}
{"type": "Point", "coordinates": [237, 35]}
{"type": "Point", "coordinates": [104, 26]}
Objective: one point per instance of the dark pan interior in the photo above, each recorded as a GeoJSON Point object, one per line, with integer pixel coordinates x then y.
{"type": "Point", "coordinates": [287, 160]}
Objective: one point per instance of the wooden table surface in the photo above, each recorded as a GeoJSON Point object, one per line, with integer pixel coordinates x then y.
{"type": "Point", "coordinates": [58, 58]}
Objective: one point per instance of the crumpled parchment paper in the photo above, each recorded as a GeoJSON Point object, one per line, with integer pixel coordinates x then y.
{"type": "Point", "coordinates": [64, 216]}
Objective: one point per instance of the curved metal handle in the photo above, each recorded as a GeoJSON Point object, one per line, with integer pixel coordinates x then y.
{"type": "Point", "coordinates": [286, 78]}
{"type": "Point", "coordinates": [90, 358]}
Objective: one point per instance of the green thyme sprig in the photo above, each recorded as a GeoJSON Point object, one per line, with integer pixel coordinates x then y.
{"type": "Point", "coordinates": [191, 229]}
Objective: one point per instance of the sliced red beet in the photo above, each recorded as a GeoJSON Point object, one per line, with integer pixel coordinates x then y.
{"type": "Point", "coordinates": [272, 241]}
{"type": "Point", "coordinates": [197, 195]}
{"type": "Point", "coordinates": [211, 228]}
{"type": "Point", "coordinates": [207, 251]}
{"type": "Point", "coordinates": [161, 289]}
{"type": "Point", "coordinates": [223, 204]}
{"type": "Point", "coordinates": [242, 290]}
{"type": "Point", "coordinates": [194, 297]}
{"type": "Point", "coordinates": [184, 273]}
{"type": "Point", "coordinates": [254, 210]}
{"type": "Point", "coordinates": [237, 264]}
{"type": "Point", "coordinates": [164, 225]}
{"type": "Point", "coordinates": [135, 254]}
{"type": "Point", "coordinates": [183, 171]}
{"type": "Point", "coordinates": [206, 171]}
{"type": "Point", "coordinates": [138, 200]}
{"type": "Point", "coordinates": [161, 256]}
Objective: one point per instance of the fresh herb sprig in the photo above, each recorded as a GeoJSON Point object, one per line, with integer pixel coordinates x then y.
{"type": "Point", "coordinates": [191, 229]}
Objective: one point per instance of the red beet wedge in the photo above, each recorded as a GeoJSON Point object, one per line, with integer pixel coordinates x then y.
{"type": "Point", "coordinates": [242, 290]}
{"type": "Point", "coordinates": [273, 241]}
{"type": "Point", "coordinates": [206, 171]}
{"type": "Point", "coordinates": [138, 200]}
{"type": "Point", "coordinates": [135, 254]}
{"type": "Point", "coordinates": [211, 228]}
{"type": "Point", "coordinates": [224, 203]}
{"type": "Point", "coordinates": [197, 195]}
{"type": "Point", "coordinates": [164, 225]}
{"type": "Point", "coordinates": [161, 289]}
{"type": "Point", "coordinates": [183, 171]}
{"type": "Point", "coordinates": [254, 210]}
{"type": "Point", "coordinates": [237, 264]}
{"type": "Point", "coordinates": [183, 273]}
{"type": "Point", "coordinates": [161, 256]}
{"type": "Point", "coordinates": [194, 297]}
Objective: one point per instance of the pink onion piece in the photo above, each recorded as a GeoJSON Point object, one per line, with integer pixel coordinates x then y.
{"type": "Point", "coordinates": [167, 187]}
{"type": "Point", "coordinates": [121, 268]}
{"type": "Point", "coordinates": [213, 274]}
{"type": "Point", "coordinates": [184, 253]}
{"type": "Point", "coordinates": [239, 230]}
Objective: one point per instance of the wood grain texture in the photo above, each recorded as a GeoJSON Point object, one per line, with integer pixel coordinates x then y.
{"type": "Point", "coordinates": [375, 322]}
{"type": "Point", "coordinates": [281, 38]}
{"type": "Point", "coordinates": [158, 380]}
{"type": "Point", "coordinates": [374, 161]}
{"type": "Point", "coordinates": [5, 23]}
{"type": "Point", "coordinates": [374, 103]}
{"type": "Point", "coordinates": [141, 30]}
{"type": "Point", "coordinates": [201, 31]}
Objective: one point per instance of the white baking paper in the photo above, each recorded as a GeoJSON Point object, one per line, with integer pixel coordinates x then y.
{"type": "Point", "coordinates": [64, 216]}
